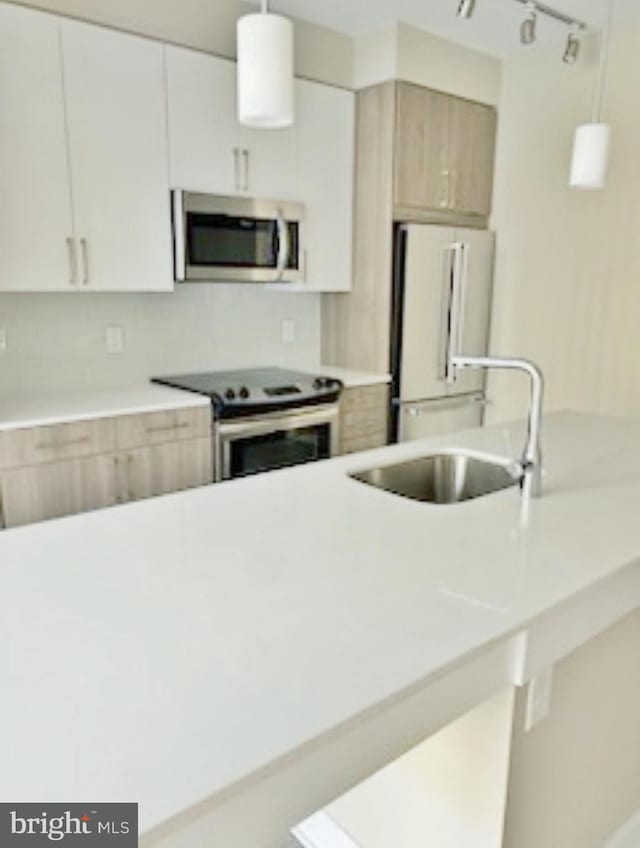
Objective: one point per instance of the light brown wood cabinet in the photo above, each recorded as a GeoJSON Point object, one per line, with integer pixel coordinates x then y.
{"type": "Point", "coordinates": [162, 469]}
{"type": "Point", "coordinates": [49, 472]}
{"type": "Point", "coordinates": [39, 492]}
{"type": "Point", "coordinates": [444, 152]}
{"type": "Point", "coordinates": [423, 157]}
{"type": "Point", "coordinates": [364, 414]}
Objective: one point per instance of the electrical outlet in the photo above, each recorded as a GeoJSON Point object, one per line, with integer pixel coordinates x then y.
{"type": "Point", "coordinates": [539, 699]}
{"type": "Point", "coordinates": [288, 331]}
{"type": "Point", "coordinates": [114, 339]}
{"type": "Point", "coordinates": [3, 340]}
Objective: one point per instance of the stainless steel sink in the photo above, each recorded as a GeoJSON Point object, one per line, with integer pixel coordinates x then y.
{"type": "Point", "coordinates": [444, 478]}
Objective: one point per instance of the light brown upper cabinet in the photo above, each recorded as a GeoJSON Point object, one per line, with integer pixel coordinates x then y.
{"type": "Point", "coordinates": [444, 152]}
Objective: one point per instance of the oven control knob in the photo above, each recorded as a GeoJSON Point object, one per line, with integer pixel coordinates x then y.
{"type": "Point", "coordinates": [244, 393]}
{"type": "Point", "coordinates": [230, 394]}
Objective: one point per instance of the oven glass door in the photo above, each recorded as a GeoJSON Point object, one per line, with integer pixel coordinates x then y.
{"type": "Point", "coordinates": [279, 449]}
{"type": "Point", "coordinates": [229, 242]}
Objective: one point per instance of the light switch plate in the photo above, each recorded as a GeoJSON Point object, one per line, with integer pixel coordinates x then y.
{"type": "Point", "coordinates": [539, 698]}
{"type": "Point", "coordinates": [288, 331]}
{"type": "Point", "coordinates": [114, 339]}
{"type": "Point", "coordinates": [3, 340]}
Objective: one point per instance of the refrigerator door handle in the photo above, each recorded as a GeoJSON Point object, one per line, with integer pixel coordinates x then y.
{"type": "Point", "coordinates": [462, 296]}
{"type": "Point", "coordinates": [452, 306]}
{"type": "Point", "coordinates": [415, 408]}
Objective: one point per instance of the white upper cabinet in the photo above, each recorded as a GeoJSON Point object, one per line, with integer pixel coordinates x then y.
{"type": "Point", "coordinates": [117, 126]}
{"type": "Point", "coordinates": [97, 125]}
{"type": "Point", "coordinates": [36, 227]}
{"type": "Point", "coordinates": [326, 144]}
{"type": "Point", "coordinates": [310, 163]}
{"type": "Point", "coordinates": [210, 151]}
{"type": "Point", "coordinates": [204, 138]}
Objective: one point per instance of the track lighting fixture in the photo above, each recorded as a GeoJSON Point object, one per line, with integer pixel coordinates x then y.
{"type": "Point", "coordinates": [572, 49]}
{"type": "Point", "coordinates": [465, 8]}
{"type": "Point", "coordinates": [529, 25]}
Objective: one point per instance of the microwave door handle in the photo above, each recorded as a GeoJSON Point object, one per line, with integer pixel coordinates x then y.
{"type": "Point", "coordinates": [284, 246]}
{"type": "Point", "coordinates": [179, 240]}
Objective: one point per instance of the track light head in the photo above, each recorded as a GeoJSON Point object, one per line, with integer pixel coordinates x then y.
{"type": "Point", "coordinates": [572, 49]}
{"type": "Point", "coordinates": [529, 25]}
{"type": "Point", "coordinates": [465, 8]}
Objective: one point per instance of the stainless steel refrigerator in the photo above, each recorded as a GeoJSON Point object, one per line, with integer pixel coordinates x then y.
{"type": "Point", "coordinates": [441, 297]}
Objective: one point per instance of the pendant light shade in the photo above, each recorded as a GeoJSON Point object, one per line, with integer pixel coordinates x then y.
{"type": "Point", "coordinates": [590, 156]}
{"type": "Point", "coordinates": [265, 71]}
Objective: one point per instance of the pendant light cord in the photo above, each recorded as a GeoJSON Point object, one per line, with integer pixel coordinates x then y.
{"type": "Point", "coordinates": [603, 70]}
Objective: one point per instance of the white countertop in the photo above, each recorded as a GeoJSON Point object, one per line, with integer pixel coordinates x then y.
{"type": "Point", "coordinates": [352, 378]}
{"type": "Point", "coordinates": [165, 650]}
{"type": "Point", "coordinates": [40, 409]}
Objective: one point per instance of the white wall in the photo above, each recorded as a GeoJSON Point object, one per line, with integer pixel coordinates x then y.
{"type": "Point", "coordinates": [407, 53]}
{"type": "Point", "coordinates": [568, 265]}
{"type": "Point", "coordinates": [57, 341]}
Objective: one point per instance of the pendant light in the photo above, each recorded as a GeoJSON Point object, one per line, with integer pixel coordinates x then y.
{"type": "Point", "coordinates": [265, 70]}
{"type": "Point", "coordinates": [590, 158]}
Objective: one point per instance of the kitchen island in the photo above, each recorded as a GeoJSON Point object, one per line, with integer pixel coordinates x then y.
{"type": "Point", "coordinates": [236, 656]}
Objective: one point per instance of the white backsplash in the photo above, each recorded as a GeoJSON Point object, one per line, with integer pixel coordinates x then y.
{"type": "Point", "coordinates": [57, 342]}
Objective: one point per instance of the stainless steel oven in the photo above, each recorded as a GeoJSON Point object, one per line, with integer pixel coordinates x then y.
{"type": "Point", "coordinates": [236, 239]}
{"type": "Point", "coordinates": [248, 446]}
{"type": "Point", "coordinates": [266, 418]}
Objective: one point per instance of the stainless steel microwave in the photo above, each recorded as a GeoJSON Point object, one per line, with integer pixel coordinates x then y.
{"type": "Point", "coordinates": [236, 239]}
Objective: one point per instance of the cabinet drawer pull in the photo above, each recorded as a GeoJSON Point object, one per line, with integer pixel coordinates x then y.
{"type": "Point", "coordinates": [65, 444]}
{"type": "Point", "coordinates": [169, 427]}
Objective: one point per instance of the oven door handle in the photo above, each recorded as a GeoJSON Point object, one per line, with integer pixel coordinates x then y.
{"type": "Point", "coordinates": [284, 245]}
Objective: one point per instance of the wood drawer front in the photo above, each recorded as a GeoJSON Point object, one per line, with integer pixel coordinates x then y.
{"type": "Point", "coordinates": [167, 468]}
{"type": "Point", "coordinates": [39, 445]}
{"type": "Point", "coordinates": [41, 492]}
{"type": "Point", "coordinates": [364, 397]}
{"type": "Point", "coordinates": [155, 428]}
{"type": "Point", "coordinates": [363, 422]}
{"type": "Point", "coordinates": [363, 443]}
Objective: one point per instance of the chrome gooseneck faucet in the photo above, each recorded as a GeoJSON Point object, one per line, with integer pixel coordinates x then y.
{"type": "Point", "coordinates": [532, 456]}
